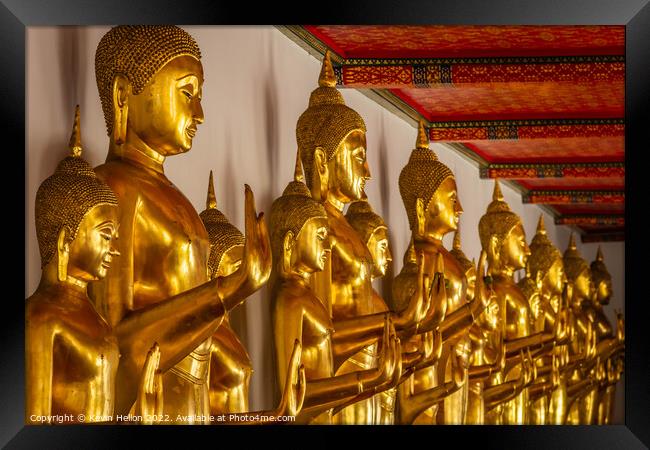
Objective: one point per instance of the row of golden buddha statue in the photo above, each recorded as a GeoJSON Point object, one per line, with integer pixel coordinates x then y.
{"type": "Point", "coordinates": [130, 318]}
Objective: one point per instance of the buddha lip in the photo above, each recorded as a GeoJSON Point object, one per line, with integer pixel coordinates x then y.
{"type": "Point", "coordinates": [191, 131]}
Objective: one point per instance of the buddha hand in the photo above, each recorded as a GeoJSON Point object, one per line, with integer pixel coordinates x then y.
{"type": "Point", "coordinates": [432, 345]}
{"type": "Point", "coordinates": [149, 404]}
{"type": "Point", "coordinates": [436, 292]}
{"type": "Point", "coordinates": [295, 385]}
{"type": "Point", "coordinates": [256, 262]}
{"type": "Point", "coordinates": [484, 292]}
{"type": "Point", "coordinates": [528, 370]}
{"type": "Point", "coordinates": [458, 369]}
{"type": "Point", "coordinates": [562, 327]}
{"type": "Point", "coordinates": [591, 342]}
{"type": "Point", "coordinates": [620, 326]}
{"type": "Point", "coordinates": [420, 301]}
{"type": "Point", "coordinates": [390, 359]}
{"type": "Point", "coordinates": [555, 371]}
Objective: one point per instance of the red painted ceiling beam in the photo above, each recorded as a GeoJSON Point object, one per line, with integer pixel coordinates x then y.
{"type": "Point", "coordinates": [558, 170]}
{"type": "Point", "coordinates": [524, 129]}
{"type": "Point", "coordinates": [591, 220]}
{"type": "Point", "coordinates": [603, 237]}
{"type": "Point", "coordinates": [405, 73]}
{"type": "Point", "coordinates": [570, 197]}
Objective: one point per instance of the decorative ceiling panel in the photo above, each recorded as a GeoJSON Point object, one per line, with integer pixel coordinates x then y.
{"type": "Point", "coordinates": [540, 105]}
{"type": "Point", "coordinates": [511, 101]}
{"type": "Point", "coordinates": [551, 150]}
{"type": "Point", "coordinates": [603, 184]}
{"type": "Point", "coordinates": [432, 41]}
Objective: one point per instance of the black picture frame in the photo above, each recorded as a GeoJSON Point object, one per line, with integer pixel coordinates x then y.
{"type": "Point", "coordinates": [16, 15]}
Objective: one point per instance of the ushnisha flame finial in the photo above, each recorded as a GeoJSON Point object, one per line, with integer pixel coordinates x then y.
{"type": "Point", "coordinates": [422, 139]}
{"type": "Point", "coordinates": [496, 194]}
{"type": "Point", "coordinates": [75, 138]}
{"type": "Point", "coordinates": [327, 77]}
{"type": "Point", "coordinates": [211, 202]}
{"type": "Point", "coordinates": [541, 229]}
{"type": "Point", "coordinates": [297, 171]}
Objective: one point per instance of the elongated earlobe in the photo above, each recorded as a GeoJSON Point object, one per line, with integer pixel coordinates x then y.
{"type": "Point", "coordinates": [287, 251]}
{"type": "Point", "coordinates": [62, 255]}
{"type": "Point", "coordinates": [320, 176]}
{"type": "Point", "coordinates": [419, 214]}
{"type": "Point", "coordinates": [120, 109]}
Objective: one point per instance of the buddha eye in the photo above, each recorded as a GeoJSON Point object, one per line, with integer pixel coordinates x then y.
{"type": "Point", "coordinates": [187, 94]}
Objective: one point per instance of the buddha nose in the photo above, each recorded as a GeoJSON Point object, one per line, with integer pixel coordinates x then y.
{"type": "Point", "coordinates": [198, 113]}
{"type": "Point", "coordinates": [459, 207]}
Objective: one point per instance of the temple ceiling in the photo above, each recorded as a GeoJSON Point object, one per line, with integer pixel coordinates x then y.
{"type": "Point", "coordinates": [540, 106]}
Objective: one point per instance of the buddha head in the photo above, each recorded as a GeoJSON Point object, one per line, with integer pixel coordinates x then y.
{"type": "Point", "coordinates": [299, 230]}
{"type": "Point", "coordinates": [226, 241]}
{"type": "Point", "coordinates": [469, 267]}
{"type": "Point", "coordinates": [373, 232]}
{"type": "Point", "coordinates": [76, 218]}
{"type": "Point", "coordinates": [601, 278]}
{"type": "Point", "coordinates": [502, 235]}
{"type": "Point", "coordinates": [546, 262]}
{"type": "Point", "coordinates": [150, 82]}
{"type": "Point", "coordinates": [332, 143]}
{"type": "Point", "coordinates": [578, 272]}
{"type": "Point", "coordinates": [428, 191]}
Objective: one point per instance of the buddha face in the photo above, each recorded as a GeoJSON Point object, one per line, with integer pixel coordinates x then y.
{"type": "Point", "coordinates": [604, 291]}
{"type": "Point", "coordinates": [349, 168]}
{"type": "Point", "coordinates": [443, 211]}
{"type": "Point", "coordinates": [311, 246]}
{"type": "Point", "coordinates": [91, 252]}
{"type": "Point", "coordinates": [378, 246]}
{"type": "Point", "coordinates": [555, 278]}
{"type": "Point", "coordinates": [230, 261]}
{"type": "Point", "coordinates": [515, 251]}
{"type": "Point", "coordinates": [583, 287]}
{"type": "Point", "coordinates": [165, 115]}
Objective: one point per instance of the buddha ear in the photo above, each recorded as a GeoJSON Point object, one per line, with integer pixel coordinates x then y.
{"type": "Point", "coordinates": [62, 253]}
{"type": "Point", "coordinates": [419, 216]}
{"type": "Point", "coordinates": [494, 248]}
{"type": "Point", "coordinates": [121, 89]}
{"type": "Point", "coordinates": [320, 175]}
{"type": "Point", "coordinates": [288, 244]}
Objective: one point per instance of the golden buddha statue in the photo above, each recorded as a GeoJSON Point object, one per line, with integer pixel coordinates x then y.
{"type": "Point", "coordinates": [428, 190]}
{"type": "Point", "coordinates": [71, 352]}
{"type": "Point", "coordinates": [582, 386]}
{"type": "Point", "coordinates": [230, 365]}
{"type": "Point", "coordinates": [300, 240]}
{"type": "Point", "coordinates": [150, 84]}
{"type": "Point", "coordinates": [543, 286]}
{"type": "Point", "coordinates": [332, 145]}
{"type": "Point", "coordinates": [607, 339]}
{"type": "Point", "coordinates": [374, 233]}
{"type": "Point", "coordinates": [503, 239]}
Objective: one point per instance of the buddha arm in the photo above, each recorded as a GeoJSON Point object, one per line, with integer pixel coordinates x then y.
{"type": "Point", "coordinates": [39, 340]}
{"type": "Point", "coordinates": [539, 389]}
{"type": "Point", "coordinates": [501, 393]}
{"type": "Point", "coordinates": [457, 322]}
{"type": "Point", "coordinates": [412, 405]}
{"type": "Point", "coordinates": [513, 346]}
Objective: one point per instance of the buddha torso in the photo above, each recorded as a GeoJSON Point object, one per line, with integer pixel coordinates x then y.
{"type": "Point", "coordinates": [351, 296]}
{"type": "Point", "coordinates": [456, 287]}
{"type": "Point", "coordinates": [165, 248]}
{"type": "Point", "coordinates": [230, 372]}
{"type": "Point", "coordinates": [294, 297]}
{"type": "Point", "coordinates": [83, 351]}
{"type": "Point", "coordinates": [517, 324]}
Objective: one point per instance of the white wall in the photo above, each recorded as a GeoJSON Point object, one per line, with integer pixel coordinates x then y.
{"type": "Point", "coordinates": [257, 83]}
